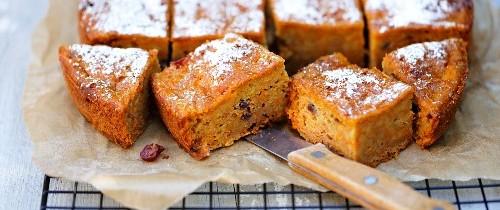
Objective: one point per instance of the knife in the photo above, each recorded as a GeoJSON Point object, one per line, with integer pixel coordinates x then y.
{"type": "Point", "coordinates": [367, 186]}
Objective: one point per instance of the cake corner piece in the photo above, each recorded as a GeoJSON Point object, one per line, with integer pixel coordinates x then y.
{"type": "Point", "coordinates": [195, 22]}
{"type": "Point", "coordinates": [226, 89]}
{"type": "Point", "coordinates": [358, 113]}
{"type": "Point", "coordinates": [110, 87]}
{"type": "Point", "coordinates": [393, 24]}
{"type": "Point", "coordinates": [125, 23]}
{"type": "Point", "coordinates": [307, 30]}
{"type": "Point", "coordinates": [438, 73]}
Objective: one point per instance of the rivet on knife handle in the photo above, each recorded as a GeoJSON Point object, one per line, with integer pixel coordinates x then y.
{"type": "Point", "coordinates": [365, 185]}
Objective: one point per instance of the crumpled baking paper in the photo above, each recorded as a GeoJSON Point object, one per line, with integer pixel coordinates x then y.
{"type": "Point", "coordinates": [65, 145]}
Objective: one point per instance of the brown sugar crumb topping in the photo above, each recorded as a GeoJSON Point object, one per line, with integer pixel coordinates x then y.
{"type": "Point", "coordinates": [397, 13]}
{"type": "Point", "coordinates": [200, 17]}
{"type": "Point", "coordinates": [105, 70]}
{"type": "Point", "coordinates": [318, 12]}
{"type": "Point", "coordinates": [146, 17]}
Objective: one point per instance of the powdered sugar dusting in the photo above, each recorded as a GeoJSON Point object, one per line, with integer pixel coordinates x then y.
{"type": "Point", "coordinates": [108, 69]}
{"type": "Point", "coordinates": [218, 57]}
{"type": "Point", "coordinates": [359, 91]}
{"type": "Point", "coordinates": [146, 17]}
{"type": "Point", "coordinates": [417, 58]}
{"type": "Point", "coordinates": [403, 13]}
{"type": "Point", "coordinates": [346, 80]}
{"type": "Point", "coordinates": [221, 59]}
{"type": "Point", "coordinates": [216, 17]}
{"type": "Point", "coordinates": [317, 12]}
{"type": "Point", "coordinates": [416, 53]}
{"type": "Point", "coordinates": [214, 69]}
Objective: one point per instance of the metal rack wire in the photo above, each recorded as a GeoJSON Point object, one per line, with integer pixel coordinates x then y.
{"type": "Point", "coordinates": [60, 193]}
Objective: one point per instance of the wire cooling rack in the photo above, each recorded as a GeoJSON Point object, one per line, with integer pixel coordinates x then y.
{"type": "Point", "coordinates": [59, 193]}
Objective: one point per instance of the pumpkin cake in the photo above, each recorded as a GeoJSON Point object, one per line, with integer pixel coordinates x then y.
{"type": "Point", "coordinates": [393, 24]}
{"type": "Point", "coordinates": [309, 29]}
{"type": "Point", "coordinates": [437, 71]}
{"type": "Point", "coordinates": [224, 90]}
{"type": "Point", "coordinates": [125, 23]}
{"type": "Point", "coordinates": [361, 114]}
{"type": "Point", "coordinates": [110, 87]}
{"type": "Point", "coordinates": [196, 21]}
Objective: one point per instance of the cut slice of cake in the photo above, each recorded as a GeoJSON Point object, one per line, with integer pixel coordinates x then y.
{"type": "Point", "coordinates": [393, 24]}
{"type": "Point", "coordinates": [309, 29]}
{"type": "Point", "coordinates": [110, 87]}
{"type": "Point", "coordinates": [224, 90]}
{"type": "Point", "coordinates": [195, 22]}
{"type": "Point", "coordinates": [125, 23]}
{"type": "Point", "coordinates": [437, 71]}
{"type": "Point", "coordinates": [358, 113]}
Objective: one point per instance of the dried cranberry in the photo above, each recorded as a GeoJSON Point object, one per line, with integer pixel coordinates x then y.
{"type": "Point", "coordinates": [244, 104]}
{"type": "Point", "coordinates": [311, 108]}
{"type": "Point", "coordinates": [151, 152]}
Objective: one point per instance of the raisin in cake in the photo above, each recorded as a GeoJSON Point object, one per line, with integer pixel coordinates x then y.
{"type": "Point", "coordinates": [394, 23]}
{"type": "Point", "coordinates": [224, 90]}
{"type": "Point", "coordinates": [110, 87]}
{"type": "Point", "coordinates": [125, 23]}
{"type": "Point", "coordinates": [361, 114]}
{"type": "Point", "coordinates": [437, 71]}
{"type": "Point", "coordinates": [196, 21]}
{"type": "Point", "coordinates": [309, 29]}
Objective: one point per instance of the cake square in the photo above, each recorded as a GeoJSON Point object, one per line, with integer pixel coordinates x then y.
{"type": "Point", "coordinates": [309, 29]}
{"type": "Point", "coordinates": [196, 21]}
{"type": "Point", "coordinates": [393, 24]}
{"type": "Point", "coordinates": [361, 114]}
{"type": "Point", "coordinates": [110, 87]}
{"type": "Point", "coordinates": [125, 23]}
{"type": "Point", "coordinates": [437, 71]}
{"type": "Point", "coordinates": [224, 90]}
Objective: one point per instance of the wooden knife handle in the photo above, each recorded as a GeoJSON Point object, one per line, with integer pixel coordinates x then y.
{"type": "Point", "coordinates": [367, 186]}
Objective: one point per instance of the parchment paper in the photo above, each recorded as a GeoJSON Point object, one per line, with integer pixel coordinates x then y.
{"type": "Point", "coordinates": [67, 146]}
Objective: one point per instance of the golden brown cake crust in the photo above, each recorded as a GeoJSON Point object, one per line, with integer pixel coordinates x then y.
{"type": "Point", "coordinates": [125, 23]}
{"type": "Point", "coordinates": [354, 91]}
{"type": "Point", "coordinates": [391, 14]}
{"type": "Point", "coordinates": [358, 113]}
{"type": "Point", "coordinates": [211, 77]}
{"type": "Point", "coordinates": [317, 12]}
{"type": "Point", "coordinates": [110, 87]}
{"type": "Point", "coordinates": [197, 21]}
{"type": "Point", "coordinates": [213, 70]}
{"type": "Point", "coordinates": [309, 29]}
{"type": "Point", "coordinates": [393, 24]}
{"type": "Point", "coordinates": [438, 72]}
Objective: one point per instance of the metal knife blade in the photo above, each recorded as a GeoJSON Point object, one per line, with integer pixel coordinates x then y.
{"type": "Point", "coordinates": [277, 142]}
